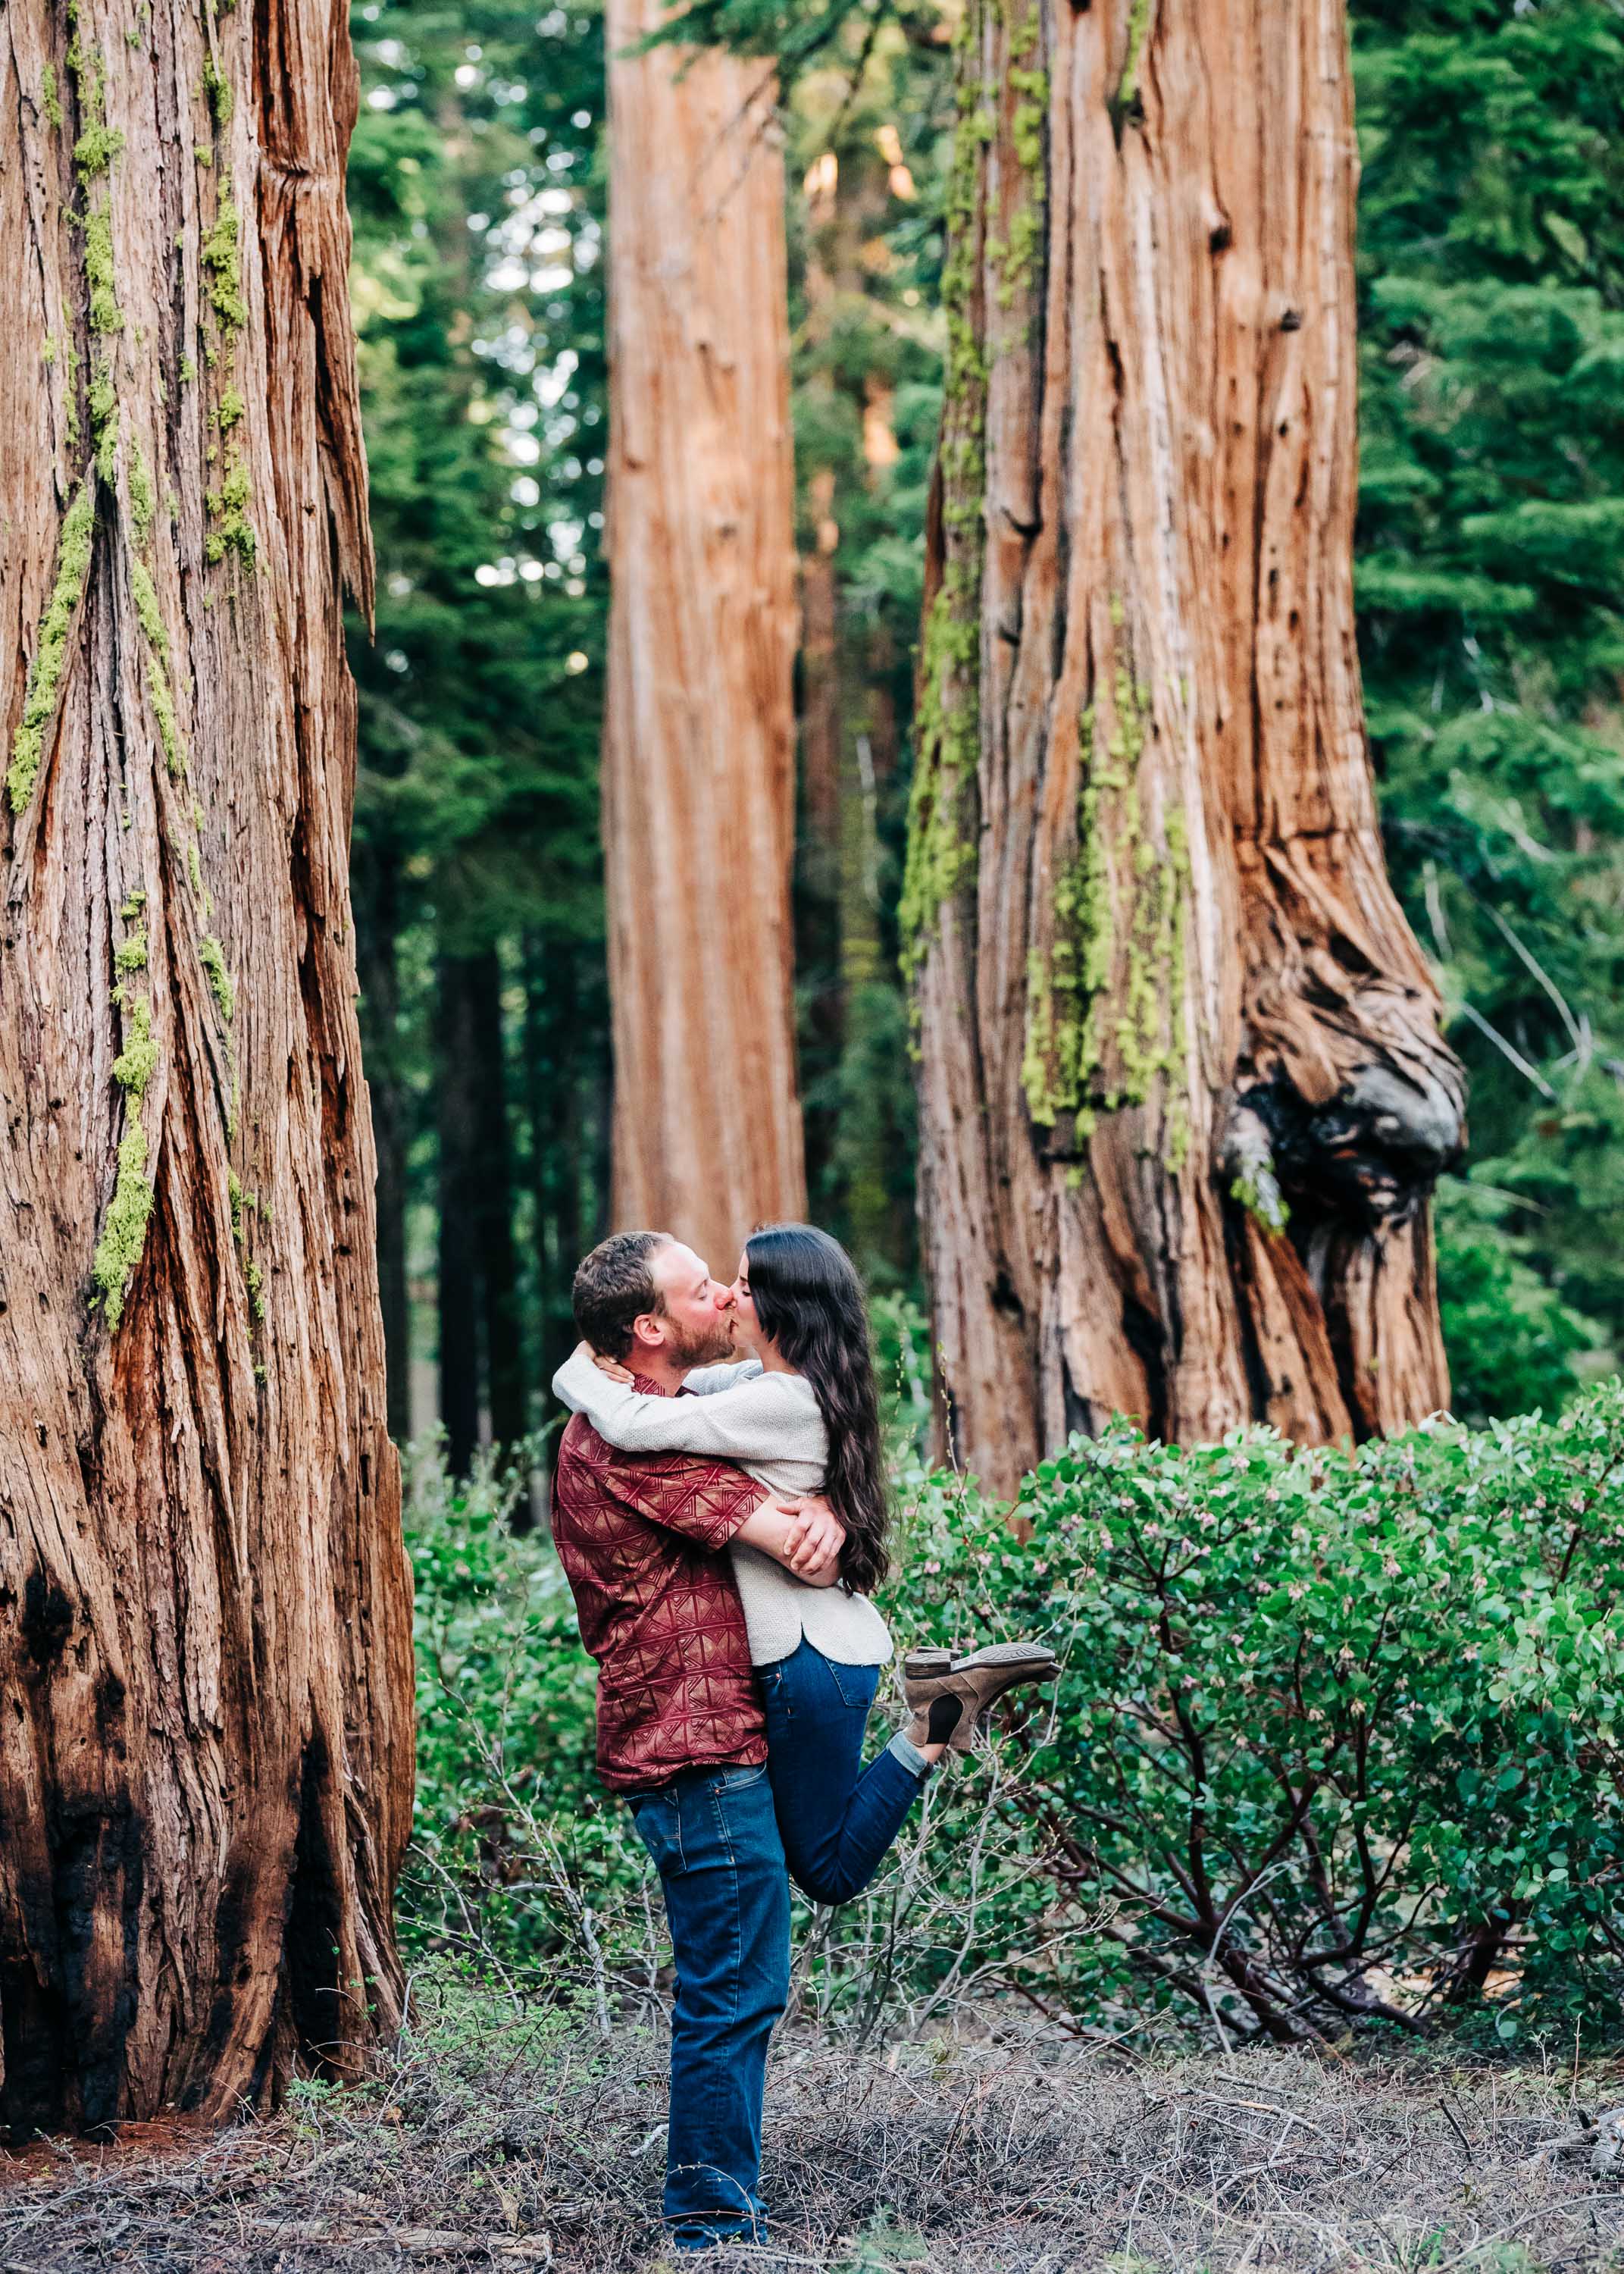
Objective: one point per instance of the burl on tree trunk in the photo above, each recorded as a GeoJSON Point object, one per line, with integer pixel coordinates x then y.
{"type": "Point", "coordinates": [1183, 1092]}
{"type": "Point", "coordinates": [699, 732]}
{"type": "Point", "coordinates": [205, 1740]}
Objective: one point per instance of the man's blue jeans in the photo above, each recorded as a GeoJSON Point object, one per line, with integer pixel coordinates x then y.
{"type": "Point", "coordinates": [838, 1819]}
{"type": "Point", "coordinates": [715, 1843]}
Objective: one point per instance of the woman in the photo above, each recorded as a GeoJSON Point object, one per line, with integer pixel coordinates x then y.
{"type": "Point", "coordinates": [801, 1415]}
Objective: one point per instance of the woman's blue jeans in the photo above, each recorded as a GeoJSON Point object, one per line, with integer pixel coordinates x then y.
{"type": "Point", "coordinates": [838, 1819]}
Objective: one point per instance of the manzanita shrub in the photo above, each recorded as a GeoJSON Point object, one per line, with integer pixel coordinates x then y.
{"type": "Point", "coordinates": [1338, 1734]}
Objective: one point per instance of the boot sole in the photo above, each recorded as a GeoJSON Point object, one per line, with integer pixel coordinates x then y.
{"type": "Point", "coordinates": [920, 1665]}
{"type": "Point", "coordinates": [1006, 1654]}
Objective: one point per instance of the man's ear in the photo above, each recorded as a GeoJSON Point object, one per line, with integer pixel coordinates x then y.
{"type": "Point", "coordinates": [649, 1331]}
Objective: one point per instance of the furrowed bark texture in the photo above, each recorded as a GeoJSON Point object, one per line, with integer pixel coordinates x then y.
{"type": "Point", "coordinates": [699, 730]}
{"type": "Point", "coordinates": [205, 1746]}
{"type": "Point", "coordinates": [1182, 1093]}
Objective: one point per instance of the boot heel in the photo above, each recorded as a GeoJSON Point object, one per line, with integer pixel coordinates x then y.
{"type": "Point", "coordinates": [920, 1665]}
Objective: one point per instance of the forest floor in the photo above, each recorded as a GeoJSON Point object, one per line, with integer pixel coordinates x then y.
{"type": "Point", "coordinates": [498, 2137]}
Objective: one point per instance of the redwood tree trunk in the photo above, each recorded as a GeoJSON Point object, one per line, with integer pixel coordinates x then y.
{"type": "Point", "coordinates": [457, 1277]}
{"type": "Point", "coordinates": [498, 1255]}
{"type": "Point", "coordinates": [699, 733]}
{"type": "Point", "coordinates": [375, 870]}
{"type": "Point", "coordinates": [1183, 1094]}
{"type": "Point", "coordinates": [206, 1759]}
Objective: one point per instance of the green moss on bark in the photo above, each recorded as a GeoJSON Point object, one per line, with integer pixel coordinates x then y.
{"type": "Point", "coordinates": [97, 148]}
{"type": "Point", "coordinates": [106, 315]}
{"type": "Point", "coordinates": [131, 955]}
{"type": "Point", "coordinates": [1114, 975]}
{"type": "Point", "coordinates": [1139, 24]}
{"type": "Point", "coordinates": [1261, 1197]}
{"type": "Point", "coordinates": [124, 1233]}
{"type": "Point", "coordinates": [221, 258]}
{"type": "Point", "coordinates": [212, 956]}
{"type": "Point", "coordinates": [217, 88]}
{"type": "Point", "coordinates": [70, 388]}
{"type": "Point", "coordinates": [50, 657]}
{"type": "Point", "coordinates": [143, 504]}
{"type": "Point", "coordinates": [228, 507]}
{"type": "Point", "coordinates": [150, 617]}
{"type": "Point", "coordinates": [940, 853]}
{"type": "Point", "coordinates": [135, 1065]}
{"type": "Point", "coordinates": [103, 407]}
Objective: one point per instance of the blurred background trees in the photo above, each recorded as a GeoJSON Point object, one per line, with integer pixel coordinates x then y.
{"type": "Point", "coordinates": [1491, 524]}
{"type": "Point", "coordinates": [477, 192]}
{"type": "Point", "coordinates": [699, 721]}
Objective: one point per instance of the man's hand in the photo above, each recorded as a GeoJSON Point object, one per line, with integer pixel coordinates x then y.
{"type": "Point", "coordinates": [816, 1537]}
{"type": "Point", "coordinates": [802, 1534]}
{"type": "Point", "coordinates": [611, 1366]}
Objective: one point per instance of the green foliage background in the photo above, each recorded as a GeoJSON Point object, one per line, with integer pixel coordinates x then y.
{"type": "Point", "coordinates": [1490, 530]}
{"type": "Point", "coordinates": [1336, 1743]}
{"type": "Point", "coordinates": [1347, 1745]}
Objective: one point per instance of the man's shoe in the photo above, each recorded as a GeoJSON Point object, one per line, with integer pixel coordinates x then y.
{"type": "Point", "coordinates": [974, 1681]}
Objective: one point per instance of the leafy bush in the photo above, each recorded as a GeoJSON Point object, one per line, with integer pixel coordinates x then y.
{"type": "Point", "coordinates": [523, 1868]}
{"type": "Point", "coordinates": [515, 1852]}
{"type": "Point", "coordinates": [1512, 1341]}
{"type": "Point", "coordinates": [1339, 1731]}
{"type": "Point", "coordinates": [1337, 1743]}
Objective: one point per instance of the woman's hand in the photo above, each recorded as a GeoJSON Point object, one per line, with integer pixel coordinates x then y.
{"type": "Point", "coordinates": [611, 1366]}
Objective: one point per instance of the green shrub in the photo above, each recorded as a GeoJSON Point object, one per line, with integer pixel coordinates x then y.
{"type": "Point", "coordinates": [1337, 1743]}
{"type": "Point", "coordinates": [1512, 1341]}
{"type": "Point", "coordinates": [515, 1850]}
{"type": "Point", "coordinates": [1339, 1732]}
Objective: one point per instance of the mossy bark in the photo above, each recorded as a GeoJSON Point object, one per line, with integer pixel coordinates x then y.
{"type": "Point", "coordinates": [699, 727]}
{"type": "Point", "coordinates": [205, 1766]}
{"type": "Point", "coordinates": [1182, 1093]}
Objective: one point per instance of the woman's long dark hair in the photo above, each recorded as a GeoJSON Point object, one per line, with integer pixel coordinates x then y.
{"type": "Point", "coordinates": [810, 1302]}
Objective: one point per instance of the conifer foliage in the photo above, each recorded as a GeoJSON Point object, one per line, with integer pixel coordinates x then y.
{"type": "Point", "coordinates": [1491, 565]}
{"type": "Point", "coordinates": [1487, 576]}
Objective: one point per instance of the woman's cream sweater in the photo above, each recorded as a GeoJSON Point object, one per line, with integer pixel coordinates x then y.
{"type": "Point", "coordinates": [769, 1424]}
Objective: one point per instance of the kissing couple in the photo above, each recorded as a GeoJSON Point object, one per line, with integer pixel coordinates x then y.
{"type": "Point", "coordinates": [720, 1507]}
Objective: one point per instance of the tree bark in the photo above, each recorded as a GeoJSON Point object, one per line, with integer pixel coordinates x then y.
{"type": "Point", "coordinates": [1183, 1094]}
{"type": "Point", "coordinates": [457, 1277]}
{"type": "Point", "coordinates": [206, 1770]}
{"type": "Point", "coordinates": [699, 731]}
{"type": "Point", "coordinates": [493, 1196]}
{"type": "Point", "coordinates": [569, 1155]}
{"type": "Point", "coordinates": [375, 888]}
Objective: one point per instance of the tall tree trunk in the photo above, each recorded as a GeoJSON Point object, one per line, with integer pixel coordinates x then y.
{"type": "Point", "coordinates": [848, 732]}
{"type": "Point", "coordinates": [457, 1125]}
{"type": "Point", "coordinates": [206, 1770]}
{"type": "Point", "coordinates": [1182, 1096]}
{"type": "Point", "coordinates": [375, 885]}
{"type": "Point", "coordinates": [494, 1200]}
{"type": "Point", "coordinates": [566, 1146]}
{"type": "Point", "coordinates": [820, 678]}
{"type": "Point", "coordinates": [698, 738]}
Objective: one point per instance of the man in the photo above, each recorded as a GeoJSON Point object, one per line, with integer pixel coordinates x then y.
{"type": "Point", "coordinates": [680, 1730]}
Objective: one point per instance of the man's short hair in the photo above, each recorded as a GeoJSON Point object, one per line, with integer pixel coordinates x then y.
{"type": "Point", "coordinates": [614, 1287]}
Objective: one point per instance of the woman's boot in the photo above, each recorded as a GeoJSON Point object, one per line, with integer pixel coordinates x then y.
{"type": "Point", "coordinates": [934, 1680]}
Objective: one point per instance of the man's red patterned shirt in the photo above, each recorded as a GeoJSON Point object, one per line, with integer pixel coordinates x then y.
{"type": "Point", "coordinates": [641, 1539]}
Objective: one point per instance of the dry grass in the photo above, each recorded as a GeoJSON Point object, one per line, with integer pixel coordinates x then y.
{"type": "Point", "coordinates": [505, 2136]}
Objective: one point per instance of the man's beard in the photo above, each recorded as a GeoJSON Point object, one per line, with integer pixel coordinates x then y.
{"type": "Point", "coordinates": [713, 1347]}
